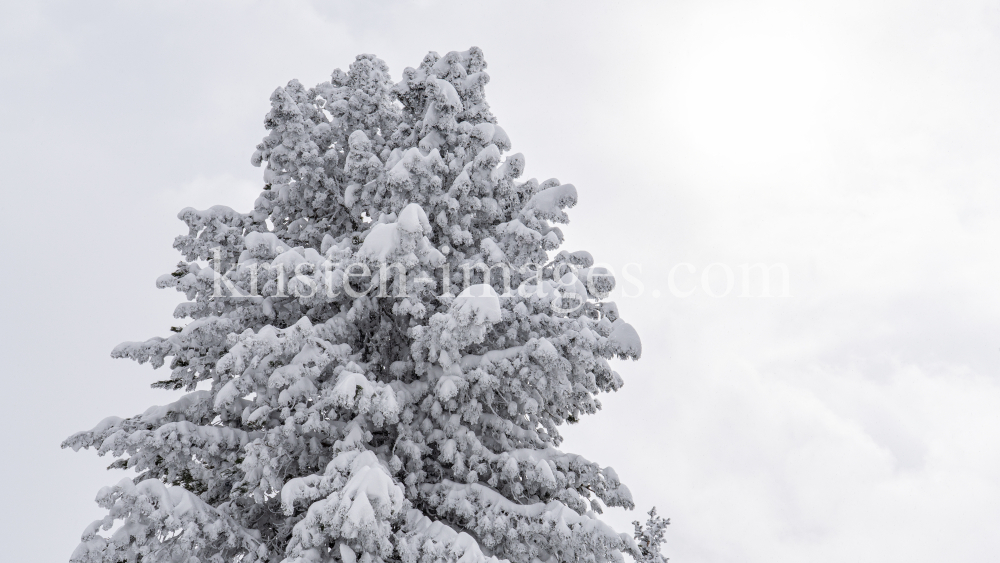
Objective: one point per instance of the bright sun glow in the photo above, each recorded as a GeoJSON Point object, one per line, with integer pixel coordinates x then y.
{"type": "Point", "coordinates": [751, 93]}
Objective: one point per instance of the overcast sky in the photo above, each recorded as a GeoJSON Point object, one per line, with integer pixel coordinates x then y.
{"type": "Point", "coordinates": [857, 143]}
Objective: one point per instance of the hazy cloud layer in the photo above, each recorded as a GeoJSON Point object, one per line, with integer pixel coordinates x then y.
{"type": "Point", "coordinates": [855, 419]}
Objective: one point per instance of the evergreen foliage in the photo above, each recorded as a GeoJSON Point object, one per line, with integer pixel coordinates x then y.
{"type": "Point", "coordinates": [361, 385]}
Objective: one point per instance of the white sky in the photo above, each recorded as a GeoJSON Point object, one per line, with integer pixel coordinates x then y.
{"type": "Point", "coordinates": [854, 141]}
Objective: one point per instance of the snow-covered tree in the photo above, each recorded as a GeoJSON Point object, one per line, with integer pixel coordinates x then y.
{"type": "Point", "coordinates": [379, 355]}
{"type": "Point", "coordinates": [649, 537]}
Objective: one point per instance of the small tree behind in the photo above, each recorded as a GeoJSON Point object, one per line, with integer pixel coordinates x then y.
{"type": "Point", "coordinates": [649, 538]}
{"type": "Point", "coordinates": [378, 356]}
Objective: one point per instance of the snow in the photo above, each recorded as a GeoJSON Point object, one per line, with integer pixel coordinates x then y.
{"type": "Point", "coordinates": [351, 194]}
{"type": "Point", "coordinates": [451, 97]}
{"type": "Point", "coordinates": [460, 543]}
{"type": "Point", "coordinates": [381, 242]}
{"type": "Point", "coordinates": [448, 386]}
{"type": "Point", "coordinates": [470, 361]}
{"type": "Point", "coordinates": [549, 203]}
{"type": "Point", "coordinates": [402, 239]}
{"type": "Point", "coordinates": [257, 241]}
{"type": "Point", "coordinates": [626, 340]}
{"type": "Point", "coordinates": [227, 394]}
{"type": "Point", "coordinates": [159, 413]}
{"type": "Point", "coordinates": [412, 219]}
{"type": "Point", "coordinates": [501, 139]}
{"type": "Point", "coordinates": [479, 304]}
{"type": "Point", "coordinates": [599, 281]}
{"type": "Point", "coordinates": [488, 157]}
{"type": "Point", "coordinates": [347, 554]}
{"type": "Point", "coordinates": [288, 260]}
{"type": "Point", "coordinates": [350, 386]}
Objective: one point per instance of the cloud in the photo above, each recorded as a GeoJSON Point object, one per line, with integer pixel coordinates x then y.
{"type": "Point", "coordinates": [854, 142]}
{"type": "Point", "coordinates": [203, 192]}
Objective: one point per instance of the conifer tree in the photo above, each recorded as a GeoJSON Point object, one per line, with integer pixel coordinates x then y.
{"type": "Point", "coordinates": [378, 356]}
